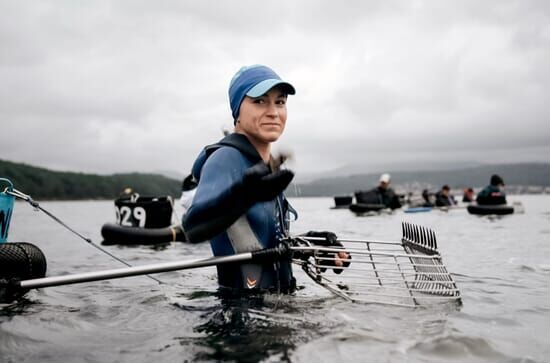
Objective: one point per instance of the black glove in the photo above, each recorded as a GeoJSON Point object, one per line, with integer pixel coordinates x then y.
{"type": "Point", "coordinates": [261, 185]}
{"type": "Point", "coordinates": [330, 240]}
{"type": "Point", "coordinates": [258, 185]}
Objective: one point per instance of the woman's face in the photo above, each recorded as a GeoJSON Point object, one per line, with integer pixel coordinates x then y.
{"type": "Point", "coordinates": [263, 118]}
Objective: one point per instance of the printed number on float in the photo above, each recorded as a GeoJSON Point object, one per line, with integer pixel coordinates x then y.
{"type": "Point", "coordinates": [125, 214]}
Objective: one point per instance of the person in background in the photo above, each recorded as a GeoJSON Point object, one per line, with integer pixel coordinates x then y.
{"type": "Point", "coordinates": [427, 197]}
{"type": "Point", "coordinates": [188, 189]}
{"type": "Point", "coordinates": [386, 194]}
{"type": "Point", "coordinates": [492, 194]}
{"type": "Point", "coordinates": [382, 194]}
{"type": "Point", "coordinates": [444, 198]}
{"type": "Point", "coordinates": [239, 203]}
{"type": "Point", "coordinates": [468, 195]}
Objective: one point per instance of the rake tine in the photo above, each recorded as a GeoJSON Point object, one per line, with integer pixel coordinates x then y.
{"type": "Point", "coordinates": [426, 232]}
{"type": "Point", "coordinates": [426, 237]}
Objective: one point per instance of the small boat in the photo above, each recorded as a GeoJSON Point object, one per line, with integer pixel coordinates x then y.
{"type": "Point", "coordinates": [117, 234]}
{"type": "Point", "coordinates": [418, 209]}
{"type": "Point", "coordinates": [342, 202]}
{"type": "Point", "coordinates": [363, 208]}
{"type": "Point", "coordinates": [142, 221]}
{"type": "Point", "coordinates": [499, 209]}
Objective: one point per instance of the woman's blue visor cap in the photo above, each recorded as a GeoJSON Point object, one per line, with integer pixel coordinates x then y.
{"type": "Point", "coordinates": [254, 81]}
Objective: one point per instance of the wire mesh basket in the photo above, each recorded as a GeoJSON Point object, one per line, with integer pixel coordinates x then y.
{"type": "Point", "coordinates": [406, 273]}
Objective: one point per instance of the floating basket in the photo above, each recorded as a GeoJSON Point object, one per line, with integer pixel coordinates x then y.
{"type": "Point", "coordinates": [6, 209]}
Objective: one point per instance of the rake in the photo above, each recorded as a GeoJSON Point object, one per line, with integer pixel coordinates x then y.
{"type": "Point", "coordinates": [407, 273]}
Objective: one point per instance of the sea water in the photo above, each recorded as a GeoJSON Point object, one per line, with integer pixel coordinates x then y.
{"type": "Point", "coordinates": [501, 266]}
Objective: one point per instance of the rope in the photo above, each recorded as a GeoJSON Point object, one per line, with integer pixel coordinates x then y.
{"type": "Point", "coordinates": [16, 193]}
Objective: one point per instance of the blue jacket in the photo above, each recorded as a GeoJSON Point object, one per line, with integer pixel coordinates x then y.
{"type": "Point", "coordinates": [218, 168]}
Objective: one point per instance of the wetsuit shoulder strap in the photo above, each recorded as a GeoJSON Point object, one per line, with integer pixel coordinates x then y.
{"type": "Point", "coordinates": [239, 142]}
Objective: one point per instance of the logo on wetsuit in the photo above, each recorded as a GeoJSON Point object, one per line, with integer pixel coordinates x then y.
{"type": "Point", "coordinates": [251, 283]}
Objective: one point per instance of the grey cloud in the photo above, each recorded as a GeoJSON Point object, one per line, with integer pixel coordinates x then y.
{"type": "Point", "coordinates": [135, 85]}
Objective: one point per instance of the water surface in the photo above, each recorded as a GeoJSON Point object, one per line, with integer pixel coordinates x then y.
{"type": "Point", "coordinates": [501, 265]}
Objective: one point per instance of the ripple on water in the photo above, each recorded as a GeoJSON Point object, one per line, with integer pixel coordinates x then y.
{"type": "Point", "coordinates": [457, 348]}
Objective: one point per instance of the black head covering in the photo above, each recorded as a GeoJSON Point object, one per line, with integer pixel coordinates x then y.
{"type": "Point", "coordinates": [496, 180]}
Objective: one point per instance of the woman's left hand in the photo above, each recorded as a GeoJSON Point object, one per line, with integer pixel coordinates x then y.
{"type": "Point", "coordinates": [340, 259]}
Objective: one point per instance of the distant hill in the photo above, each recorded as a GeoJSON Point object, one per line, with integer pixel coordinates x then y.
{"type": "Point", "coordinates": [525, 174]}
{"type": "Point", "coordinates": [376, 167]}
{"type": "Point", "coordinates": [42, 183]}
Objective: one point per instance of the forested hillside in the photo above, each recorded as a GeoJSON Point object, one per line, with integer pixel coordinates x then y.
{"type": "Point", "coordinates": [42, 183]}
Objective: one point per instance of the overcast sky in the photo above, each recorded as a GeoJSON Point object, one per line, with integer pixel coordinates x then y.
{"type": "Point", "coordinates": [119, 86]}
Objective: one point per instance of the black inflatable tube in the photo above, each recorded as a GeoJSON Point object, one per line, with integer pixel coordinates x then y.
{"type": "Point", "coordinates": [484, 210]}
{"type": "Point", "coordinates": [116, 234]}
{"type": "Point", "coordinates": [19, 261]}
{"type": "Point", "coordinates": [364, 208]}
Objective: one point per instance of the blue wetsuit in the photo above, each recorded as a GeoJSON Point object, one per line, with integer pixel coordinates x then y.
{"type": "Point", "coordinates": [218, 169]}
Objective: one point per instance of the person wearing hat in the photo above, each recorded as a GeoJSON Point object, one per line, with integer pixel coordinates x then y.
{"type": "Point", "coordinates": [382, 194]}
{"type": "Point", "coordinates": [239, 203]}
{"type": "Point", "coordinates": [492, 194]}
{"type": "Point", "coordinates": [387, 194]}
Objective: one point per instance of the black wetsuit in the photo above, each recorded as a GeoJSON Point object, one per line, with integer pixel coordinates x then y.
{"type": "Point", "coordinates": [441, 200]}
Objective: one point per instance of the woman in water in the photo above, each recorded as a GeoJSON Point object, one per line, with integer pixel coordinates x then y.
{"type": "Point", "coordinates": [239, 203]}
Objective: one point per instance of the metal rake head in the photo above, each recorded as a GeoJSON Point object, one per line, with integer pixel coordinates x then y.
{"type": "Point", "coordinates": [419, 238]}
{"type": "Point", "coordinates": [406, 273]}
